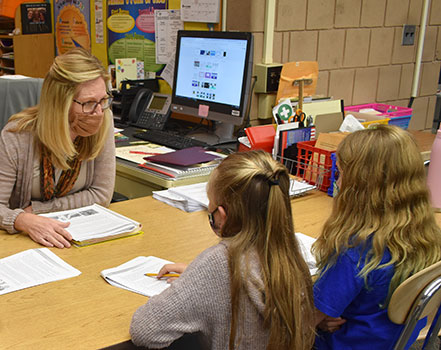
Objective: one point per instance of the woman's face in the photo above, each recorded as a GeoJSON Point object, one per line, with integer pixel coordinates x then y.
{"type": "Point", "coordinates": [84, 122]}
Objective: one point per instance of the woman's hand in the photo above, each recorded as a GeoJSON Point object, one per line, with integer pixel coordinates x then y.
{"type": "Point", "coordinates": [46, 231]}
{"type": "Point", "coordinates": [168, 268]}
{"type": "Point", "coordinates": [331, 324]}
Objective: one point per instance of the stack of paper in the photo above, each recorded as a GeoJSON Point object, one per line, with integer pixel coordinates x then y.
{"type": "Point", "coordinates": [94, 223]}
{"type": "Point", "coordinates": [305, 243]}
{"type": "Point", "coordinates": [298, 188]}
{"type": "Point", "coordinates": [189, 198]}
{"type": "Point", "coordinates": [31, 268]}
{"type": "Point", "coordinates": [131, 275]}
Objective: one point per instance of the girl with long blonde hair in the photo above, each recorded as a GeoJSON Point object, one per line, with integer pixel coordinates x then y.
{"type": "Point", "coordinates": [251, 291]}
{"type": "Point", "coordinates": [59, 154]}
{"type": "Point", "coordinates": [381, 231]}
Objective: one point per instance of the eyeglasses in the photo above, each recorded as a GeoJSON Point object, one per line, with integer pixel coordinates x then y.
{"type": "Point", "coordinates": [90, 106]}
{"type": "Point", "coordinates": [211, 218]}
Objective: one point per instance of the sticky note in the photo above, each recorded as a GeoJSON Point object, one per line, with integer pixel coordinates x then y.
{"type": "Point", "coordinates": [203, 111]}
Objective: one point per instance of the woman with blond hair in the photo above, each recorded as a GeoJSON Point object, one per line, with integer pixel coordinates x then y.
{"type": "Point", "coordinates": [59, 154]}
{"type": "Point", "coordinates": [253, 290]}
{"type": "Point", "coordinates": [381, 231]}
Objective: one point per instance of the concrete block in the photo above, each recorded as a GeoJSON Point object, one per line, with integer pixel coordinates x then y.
{"type": "Point", "coordinates": [372, 13]}
{"type": "Point", "coordinates": [365, 85]}
{"type": "Point", "coordinates": [381, 43]}
{"type": "Point", "coordinates": [388, 83]}
{"type": "Point", "coordinates": [320, 14]}
{"type": "Point", "coordinates": [396, 13]}
{"type": "Point", "coordinates": [347, 13]}
{"type": "Point", "coordinates": [356, 48]}
{"type": "Point", "coordinates": [341, 84]}
{"type": "Point", "coordinates": [290, 15]}
{"type": "Point", "coordinates": [303, 46]}
{"type": "Point", "coordinates": [330, 48]}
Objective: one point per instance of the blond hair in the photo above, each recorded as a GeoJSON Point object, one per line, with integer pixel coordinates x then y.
{"type": "Point", "coordinates": [383, 198]}
{"type": "Point", "coordinates": [253, 189]}
{"type": "Point", "coordinates": [49, 120]}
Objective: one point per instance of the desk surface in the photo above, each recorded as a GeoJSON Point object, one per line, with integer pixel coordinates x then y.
{"type": "Point", "coordinates": [87, 312]}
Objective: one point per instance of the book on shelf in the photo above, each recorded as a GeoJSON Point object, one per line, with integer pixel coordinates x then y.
{"type": "Point", "coordinates": [131, 275]}
{"type": "Point", "coordinates": [94, 224]}
{"type": "Point", "coordinates": [31, 268]}
{"type": "Point", "coordinates": [36, 18]}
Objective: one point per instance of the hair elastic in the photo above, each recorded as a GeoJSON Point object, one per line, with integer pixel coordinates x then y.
{"type": "Point", "coordinates": [273, 182]}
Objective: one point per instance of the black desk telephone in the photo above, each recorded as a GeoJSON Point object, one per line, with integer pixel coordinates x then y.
{"type": "Point", "coordinates": [150, 110]}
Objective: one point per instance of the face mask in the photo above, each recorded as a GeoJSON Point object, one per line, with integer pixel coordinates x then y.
{"type": "Point", "coordinates": [212, 222]}
{"type": "Point", "coordinates": [86, 124]}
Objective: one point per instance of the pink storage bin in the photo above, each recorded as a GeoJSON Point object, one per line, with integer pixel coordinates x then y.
{"type": "Point", "coordinates": [399, 116]}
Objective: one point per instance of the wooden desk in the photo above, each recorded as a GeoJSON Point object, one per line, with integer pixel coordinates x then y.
{"type": "Point", "coordinates": [134, 182]}
{"type": "Point", "coordinates": [85, 312]}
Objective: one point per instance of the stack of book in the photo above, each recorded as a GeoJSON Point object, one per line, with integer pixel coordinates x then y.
{"type": "Point", "coordinates": [185, 163]}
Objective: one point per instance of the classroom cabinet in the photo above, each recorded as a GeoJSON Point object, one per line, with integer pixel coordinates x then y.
{"type": "Point", "coordinates": [30, 55]}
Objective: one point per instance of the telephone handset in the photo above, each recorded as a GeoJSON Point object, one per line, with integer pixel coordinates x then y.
{"type": "Point", "coordinates": [150, 110]}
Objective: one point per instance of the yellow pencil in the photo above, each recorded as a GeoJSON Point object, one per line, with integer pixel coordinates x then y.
{"type": "Point", "coordinates": [165, 275]}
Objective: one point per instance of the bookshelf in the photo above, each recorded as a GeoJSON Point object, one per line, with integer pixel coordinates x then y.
{"type": "Point", "coordinates": [26, 54]}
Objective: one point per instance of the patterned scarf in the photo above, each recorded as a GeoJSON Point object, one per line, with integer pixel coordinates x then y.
{"type": "Point", "coordinates": [67, 179]}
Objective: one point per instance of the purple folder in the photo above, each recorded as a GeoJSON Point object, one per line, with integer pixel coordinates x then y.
{"type": "Point", "coordinates": [183, 157]}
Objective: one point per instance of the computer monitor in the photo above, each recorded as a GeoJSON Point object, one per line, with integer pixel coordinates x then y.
{"type": "Point", "coordinates": [212, 77]}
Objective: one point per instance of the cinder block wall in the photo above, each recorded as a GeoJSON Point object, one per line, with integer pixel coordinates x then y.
{"type": "Point", "coordinates": [357, 44]}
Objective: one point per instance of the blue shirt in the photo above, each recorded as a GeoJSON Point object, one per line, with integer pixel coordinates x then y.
{"type": "Point", "coordinates": [341, 292]}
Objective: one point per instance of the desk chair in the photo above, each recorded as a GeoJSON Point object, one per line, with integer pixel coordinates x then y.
{"type": "Point", "coordinates": [18, 95]}
{"type": "Point", "coordinates": [417, 297]}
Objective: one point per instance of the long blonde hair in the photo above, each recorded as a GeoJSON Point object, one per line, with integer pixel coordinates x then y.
{"type": "Point", "coordinates": [253, 189]}
{"type": "Point", "coordinates": [383, 197]}
{"type": "Point", "coordinates": [49, 120]}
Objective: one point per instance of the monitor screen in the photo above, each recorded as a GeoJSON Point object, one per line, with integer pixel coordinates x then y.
{"type": "Point", "coordinates": [212, 75]}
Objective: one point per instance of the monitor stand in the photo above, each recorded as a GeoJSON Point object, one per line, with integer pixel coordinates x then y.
{"type": "Point", "coordinates": [223, 134]}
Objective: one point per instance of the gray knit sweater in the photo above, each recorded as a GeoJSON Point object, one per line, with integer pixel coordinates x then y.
{"type": "Point", "coordinates": [200, 301]}
{"type": "Point", "coordinates": [16, 170]}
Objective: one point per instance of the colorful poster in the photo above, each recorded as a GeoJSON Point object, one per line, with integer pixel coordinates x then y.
{"type": "Point", "coordinates": [72, 24]}
{"type": "Point", "coordinates": [131, 31]}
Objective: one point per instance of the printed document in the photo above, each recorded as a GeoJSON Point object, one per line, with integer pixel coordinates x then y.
{"type": "Point", "coordinates": [95, 223]}
{"type": "Point", "coordinates": [31, 268]}
{"type": "Point", "coordinates": [305, 243]}
{"type": "Point", "coordinates": [131, 275]}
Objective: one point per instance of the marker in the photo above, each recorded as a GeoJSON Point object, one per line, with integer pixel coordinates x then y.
{"type": "Point", "coordinates": [148, 153]}
{"type": "Point", "coordinates": [165, 275]}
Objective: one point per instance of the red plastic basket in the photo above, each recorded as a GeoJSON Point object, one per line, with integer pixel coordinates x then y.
{"type": "Point", "coordinates": [314, 164]}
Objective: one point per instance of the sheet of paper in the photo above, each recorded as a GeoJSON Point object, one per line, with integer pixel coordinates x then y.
{"type": "Point", "coordinates": [125, 69]}
{"type": "Point", "coordinates": [131, 275]}
{"type": "Point", "coordinates": [200, 11]}
{"type": "Point", "coordinates": [305, 243]}
{"type": "Point", "coordinates": [167, 24]}
{"type": "Point", "coordinates": [177, 201]}
{"type": "Point", "coordinates": [99, 22]}
{"type": "Point", "coordinates": [167, 73]}
{"type": "Point", "coordinates": [299, 187]}
{"type": "Point", "coordinates": [129, 152]}
{"type": "Point", "coordinates": [94, 221]}
{"type": "Point", "coordinates": [195, 193]}
{"type": "Point", "coordinates": [31, 268]}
